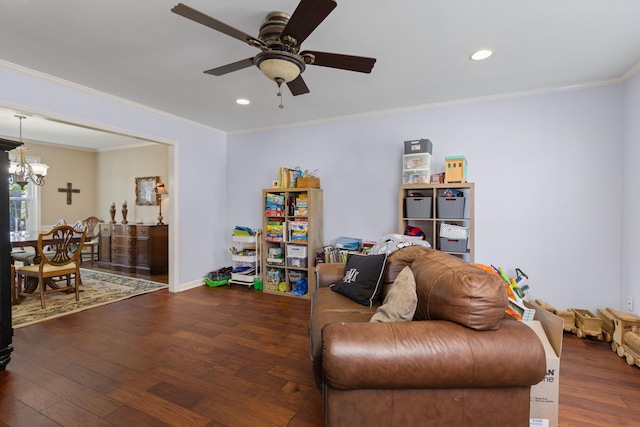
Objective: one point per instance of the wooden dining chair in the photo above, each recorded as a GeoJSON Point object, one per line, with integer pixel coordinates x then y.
{"type": "Point", "coordinates": [61, 261]}
{"type": "Point", "coordinates": [29, 256]}
{"type": "Point", "coordinates": [92, 239]}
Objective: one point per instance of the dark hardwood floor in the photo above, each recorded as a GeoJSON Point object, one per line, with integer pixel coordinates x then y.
{"type": "Point", "coordinates": [162, 278]}
{"type": "Point", "coordinates": [227, 357]}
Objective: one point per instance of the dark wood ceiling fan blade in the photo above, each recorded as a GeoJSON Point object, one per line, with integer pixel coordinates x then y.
{"type": "Point", "coordinates": [234, 66]}
{"type": "Point", "coordinates": [307, 16]}
{"type": "Point", "coordinates": [360, 64]}
{"type": "Point", "coordinates": [201, 18]}
{"type": "Point", "coordinates": [298, 86]}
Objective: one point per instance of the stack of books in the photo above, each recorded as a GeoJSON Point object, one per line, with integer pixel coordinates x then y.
{"type": "Point", "coordinates": [332, 254]}
{"type": "Point", "coordinates": [287, 177]}
{"type": "Point", "coordinates": [275, 230]}
{"type": "Point", "coordinates": [302, 206]}
{"type": "Point", "coordinates": [299, 230]}
{"type": "Point", "coordinates": [274, 205]}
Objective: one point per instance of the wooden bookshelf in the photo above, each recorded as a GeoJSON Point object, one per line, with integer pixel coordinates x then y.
{"type": "Point", "coordinates": [292, 234]}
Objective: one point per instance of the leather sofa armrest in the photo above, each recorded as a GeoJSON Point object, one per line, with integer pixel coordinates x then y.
{"type": "Point", "coordinates": [430, 354]}
{"type": "Point", "coordinates": [329, 273]}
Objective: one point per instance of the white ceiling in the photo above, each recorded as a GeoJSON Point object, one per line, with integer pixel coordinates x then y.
{"type": "Point", "coordinates": [141, 51]}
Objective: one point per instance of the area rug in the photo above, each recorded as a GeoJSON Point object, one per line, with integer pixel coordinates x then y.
{"type": "Point", "coordinates": [97, 289]}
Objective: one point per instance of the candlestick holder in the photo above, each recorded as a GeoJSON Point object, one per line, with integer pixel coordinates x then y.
{"type": "Point", "coordinates": [124, 214]}
{"type": "Point", "coordinates": [112, 211]}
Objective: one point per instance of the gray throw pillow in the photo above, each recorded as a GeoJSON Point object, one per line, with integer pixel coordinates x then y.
{"type": "Point", "coordinates": [400, 303]}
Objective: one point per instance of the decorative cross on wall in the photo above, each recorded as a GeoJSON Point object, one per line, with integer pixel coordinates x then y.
{"type": "Point", "coordinates": [68, 190]}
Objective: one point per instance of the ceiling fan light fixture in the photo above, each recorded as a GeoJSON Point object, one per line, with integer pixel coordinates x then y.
{"type": "Point", "coordinates": [279, 65]}
{"type": "Point", "coordinates": [481, 54]}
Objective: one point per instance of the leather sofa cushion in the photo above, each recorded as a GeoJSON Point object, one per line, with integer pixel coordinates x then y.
{"type": "Point", "coordinates": [449, 288]}
{"type": "Point", "coordinates": [431, 355]}
{"type": "Point", "coordinates": [328, 274]}
{"type": "Point", "coordinates": [328, 307]}
{"type": "Point", "coordinates": [401, 259]}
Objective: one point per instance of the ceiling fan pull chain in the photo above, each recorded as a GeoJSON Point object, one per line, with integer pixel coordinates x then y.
{"type": "Point", "coordinates": [279, 82]}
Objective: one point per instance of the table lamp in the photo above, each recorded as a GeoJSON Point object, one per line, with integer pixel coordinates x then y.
{"type": "Point", "coordinates": [160, 190]}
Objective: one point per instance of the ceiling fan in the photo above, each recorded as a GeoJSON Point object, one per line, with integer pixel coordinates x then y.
{"type": "Point", "coordinates": [279, 40]}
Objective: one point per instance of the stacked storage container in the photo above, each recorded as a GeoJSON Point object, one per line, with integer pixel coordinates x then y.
{"type": "Point", "coordinates": [416, 162]}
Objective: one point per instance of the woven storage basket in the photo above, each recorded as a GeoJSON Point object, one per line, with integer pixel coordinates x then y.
{"type": "Point", "coordinates": [308, 183]}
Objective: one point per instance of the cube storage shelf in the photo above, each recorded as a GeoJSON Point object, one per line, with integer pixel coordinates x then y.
{"type": "Point", "coordinates": [292, 234]}
{"type": "Point", "coordinates": [426, 206]}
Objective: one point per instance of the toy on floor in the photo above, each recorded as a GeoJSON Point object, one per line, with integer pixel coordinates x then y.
{"type": "Point", "coordinates": [577, 321]}
{"type": "Point", "coordinates": [218, 277]}
{"type": "Point", "coordinates": [587, 324]}
{"type": "Point", "coordinates": [630, 350]}
{"type": "Point", "coordinates": [619, 328]}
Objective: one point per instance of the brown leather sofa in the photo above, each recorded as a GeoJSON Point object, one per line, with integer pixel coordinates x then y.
{"type": "Point", "coordinates": [460, 362]}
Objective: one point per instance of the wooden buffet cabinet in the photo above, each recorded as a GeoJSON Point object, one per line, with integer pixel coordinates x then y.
{"type": "Point", "coordinates": [134, 248]}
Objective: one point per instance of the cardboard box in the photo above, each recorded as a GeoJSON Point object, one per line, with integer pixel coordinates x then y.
{"type": "Point", "coordinates": [545, 394]}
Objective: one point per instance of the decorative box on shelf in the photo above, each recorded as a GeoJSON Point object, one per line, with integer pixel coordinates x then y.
{"type": "Point", "coordinates": [455, 169]}
{"type": "Point", "coordinates": [308, 183]}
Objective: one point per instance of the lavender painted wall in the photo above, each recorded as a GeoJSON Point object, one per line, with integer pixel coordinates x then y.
{"type": "Point", "coordinates": [546, 168]}
{"type": "Point", "coordinates": [629, 283]}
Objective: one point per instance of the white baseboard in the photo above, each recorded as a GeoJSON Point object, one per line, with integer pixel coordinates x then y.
{"type": "Point", "coordinates": [189, 285]}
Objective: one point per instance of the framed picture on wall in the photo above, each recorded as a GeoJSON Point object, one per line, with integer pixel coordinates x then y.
{"type": "Point", "coordinates": [146, 194]}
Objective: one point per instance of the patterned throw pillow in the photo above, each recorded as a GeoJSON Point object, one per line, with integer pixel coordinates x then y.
{"type": "Point", "coordinates": [362, 281]}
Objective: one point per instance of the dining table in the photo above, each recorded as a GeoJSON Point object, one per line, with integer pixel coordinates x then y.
{"type": "Point", "coordinates": [21, 239]}
{"type": "Point", "coordinates": [29, 238]}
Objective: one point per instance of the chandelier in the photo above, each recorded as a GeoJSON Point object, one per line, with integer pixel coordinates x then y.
{"type": "Point", "coordinates": [21, 172]}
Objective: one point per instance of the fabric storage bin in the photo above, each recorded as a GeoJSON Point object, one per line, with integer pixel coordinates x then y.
{"type": "Point", "coordinates": [418, 207]}
{"type": "Point", "coordinates": [450, 207]}
{"type": "Point", "coordinates": [451, 245]}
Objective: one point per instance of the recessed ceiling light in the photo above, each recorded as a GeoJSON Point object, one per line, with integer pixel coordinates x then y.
{"type": "Point", "coordinates": [243, 101]}
{"type": "Point", "coordinates": [481, 54]}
